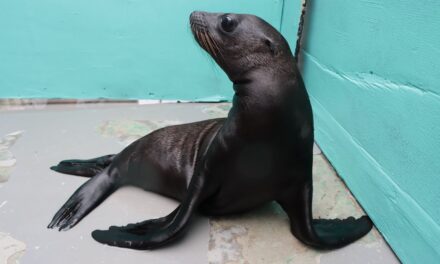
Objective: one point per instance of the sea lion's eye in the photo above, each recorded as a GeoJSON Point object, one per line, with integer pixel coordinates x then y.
{"type": "Point", "coordinates": [228, 24]}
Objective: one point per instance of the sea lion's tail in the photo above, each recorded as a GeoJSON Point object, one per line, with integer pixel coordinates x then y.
{"type": "Point", "coordinates": [85, 168]}
{"type": "Point", "coordinates": [85, 199]}
{"type": "Point", "coordinates": [300, 28]}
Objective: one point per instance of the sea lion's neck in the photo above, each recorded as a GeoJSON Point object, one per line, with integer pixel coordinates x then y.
{"type": "Point", "coordinates": [263, 97]}
{"type": "Point", "coordinates": [264, 88]}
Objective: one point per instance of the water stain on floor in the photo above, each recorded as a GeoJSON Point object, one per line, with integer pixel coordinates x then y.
{"type": "Point", "coordinates": [127, 131]}
{"type": "Point", "coordinates": [11, 250]}
{"type": "Point", "coordinates": [217, 110]}
{"type": "Point", "coordinates": [7, 159]}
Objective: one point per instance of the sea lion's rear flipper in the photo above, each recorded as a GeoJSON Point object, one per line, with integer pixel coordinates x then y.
{"type": "Point", "coordinates": [155, 233]}
{"type": "Point", "coordinates": [84, 200]}
{"type": "Point", "coordinates": [320, 233]}
{"type": "Point", "coordinates": [145, 226]}
{"type": "Point", "coordinates": [86, 168]}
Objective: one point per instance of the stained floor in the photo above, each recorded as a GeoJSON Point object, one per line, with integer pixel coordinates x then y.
{"type": "Point", "coordinates": [36, 136]}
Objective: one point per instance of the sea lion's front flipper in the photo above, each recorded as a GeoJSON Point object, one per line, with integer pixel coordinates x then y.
{"type": "Point", "coordinates": [154, 233]}
{"type": "Point", "coordinates": [84, 200]}
{"type": "Point", "coordinates": [320, 233]}
{"type": "Point", "coordinates": [86, 168]}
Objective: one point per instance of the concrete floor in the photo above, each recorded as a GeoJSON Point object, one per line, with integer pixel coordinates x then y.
{"type": "Point", "coordinates": [34, 137]}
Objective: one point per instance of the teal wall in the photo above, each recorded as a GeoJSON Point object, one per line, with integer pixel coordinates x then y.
{"type": "Point", "coordinates": [118, 49]}
{"type": "Point", "coordinates": [372, 69]}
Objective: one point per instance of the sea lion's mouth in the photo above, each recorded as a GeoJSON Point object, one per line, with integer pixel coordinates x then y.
{"type": "Point", "coordinates": [202, 35]}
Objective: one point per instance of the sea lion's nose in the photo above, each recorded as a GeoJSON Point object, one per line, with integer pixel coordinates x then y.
{"type": "Point", "coordinates": [196, 15]}
{"type": "Point", "coordinates": [197, 19]}
{"type": "Point", "coordinates": [193, 15]}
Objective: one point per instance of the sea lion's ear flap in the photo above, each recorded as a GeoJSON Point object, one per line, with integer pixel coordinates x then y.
{"type": "Point", "coordinates": [274, 49]}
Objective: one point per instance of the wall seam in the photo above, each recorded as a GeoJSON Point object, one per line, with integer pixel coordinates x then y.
{"type": "Point", "coordinates": [282, 15]}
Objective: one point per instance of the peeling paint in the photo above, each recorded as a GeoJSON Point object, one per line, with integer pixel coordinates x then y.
{"type": "Point", "coordinates": [11, 250]}
{"type": "Point", "coordinates": [224, 243]}
{"type": "Point", "coordinates": [7, 159]}
{"type": "Point", "coordinates": [127, 131]}
{"type": "Point", "coordinates": [370, 80]}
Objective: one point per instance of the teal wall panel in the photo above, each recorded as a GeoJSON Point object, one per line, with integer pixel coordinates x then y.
{"type": "Point", "coordinates": [372, 69]}
{"type": "Point", "coordinates": [122, 49]}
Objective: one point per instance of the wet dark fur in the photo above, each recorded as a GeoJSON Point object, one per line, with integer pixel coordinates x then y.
{"type": "Point", "coordinates": [261, 152]}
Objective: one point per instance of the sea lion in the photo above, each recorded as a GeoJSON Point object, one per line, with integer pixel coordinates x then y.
{"type": "Point", "coordinates": [260, 153]}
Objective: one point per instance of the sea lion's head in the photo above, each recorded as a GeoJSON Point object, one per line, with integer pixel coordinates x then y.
{"type": "Point", "coordinates": [240, 43]}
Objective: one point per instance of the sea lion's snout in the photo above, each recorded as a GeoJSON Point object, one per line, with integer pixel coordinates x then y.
{"type": "Point", "coordinates": [200, 27]}
{"type": "Point", "coordinates": [196, 18]}
{"type": "Point", "coordinates": [239, 42]}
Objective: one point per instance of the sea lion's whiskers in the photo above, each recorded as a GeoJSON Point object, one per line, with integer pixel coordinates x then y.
{"type": "Point", "coordinates": [199, 38]}
{"type": "Point", "coordinates": [208, 44]}
{"type": "Point", "coordinates": [215, 45]}
{"type": "Point", "coordinates": [192, 26]}
{"type": "Point", "coordinates": [203, 40]}
{"type": "Point", "coordinates": [211, 47]}
{"type": "Point", "coordinates": [214, 42]}
{"type": "Point", "coordinates": [206, 33]}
